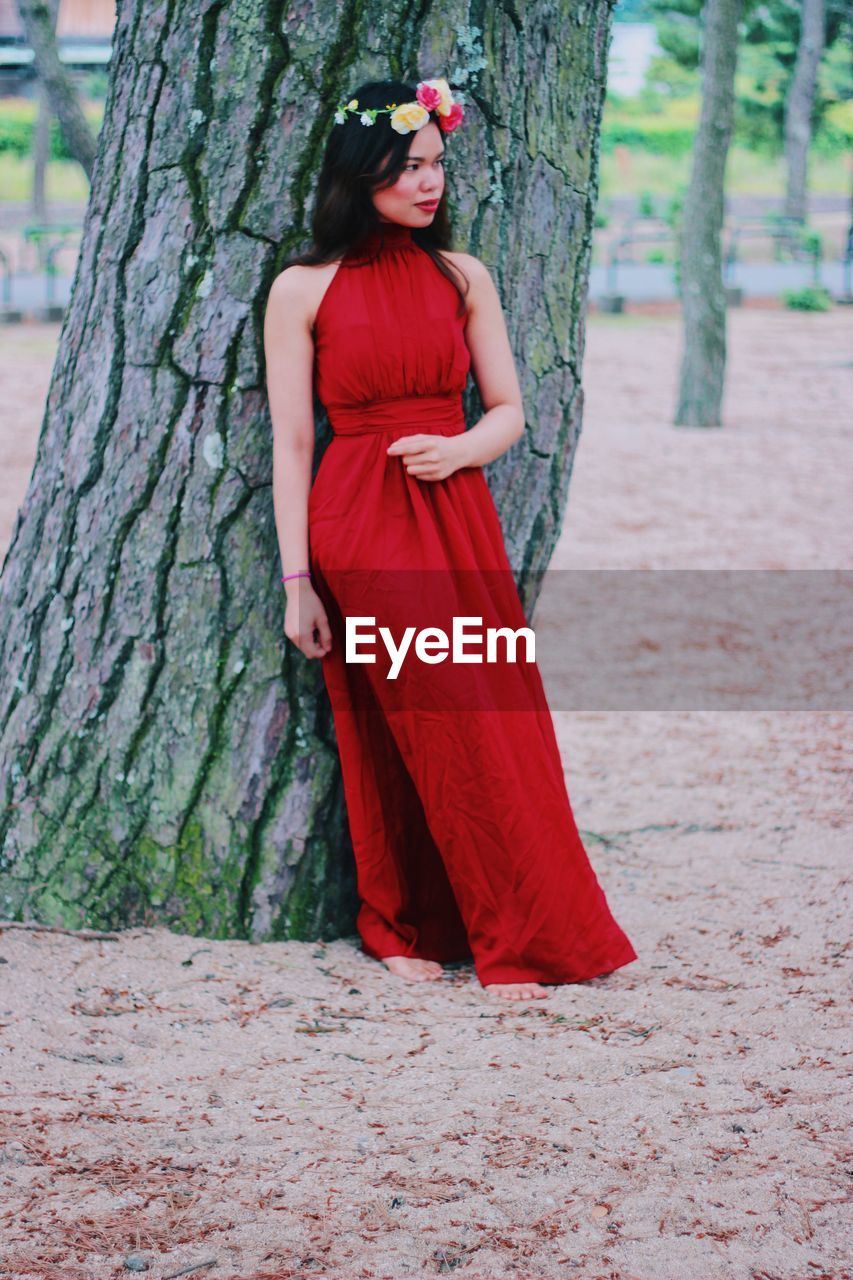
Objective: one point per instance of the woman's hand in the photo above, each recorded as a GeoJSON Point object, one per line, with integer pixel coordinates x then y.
{"type": "Point", "coordinates": [429, 457]}
{"type": "Point", "coordinates": [305, 620]}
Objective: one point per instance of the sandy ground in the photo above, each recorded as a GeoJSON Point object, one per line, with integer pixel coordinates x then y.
{"type": "Point", "coordinates": [292, 1110]}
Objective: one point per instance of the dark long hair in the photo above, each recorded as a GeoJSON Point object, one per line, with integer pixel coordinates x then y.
{"type": "Point", "coordinates": [353, 168]}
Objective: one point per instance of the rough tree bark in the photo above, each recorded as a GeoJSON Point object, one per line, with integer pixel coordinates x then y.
{"type": "Point", "coordinates": [39, 21]}
{"type": "Point", "coordinates": [167, 756]}
{"type": "Point", "coordinates": [703, 360]}
{"type": "Point", "coordinates": [799, 105]}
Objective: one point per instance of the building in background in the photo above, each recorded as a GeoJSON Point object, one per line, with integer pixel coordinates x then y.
{"type": "Point", "coordinates": [84, 31]}
{"type": "Point", "coordinates": [632, 48]}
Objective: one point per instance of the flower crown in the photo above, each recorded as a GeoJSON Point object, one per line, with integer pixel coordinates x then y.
{"type": "Point", "coordinates": [432, 95]}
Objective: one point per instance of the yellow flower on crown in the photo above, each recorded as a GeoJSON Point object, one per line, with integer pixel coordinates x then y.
{"type": "Point", "coordinates": [409, 116]}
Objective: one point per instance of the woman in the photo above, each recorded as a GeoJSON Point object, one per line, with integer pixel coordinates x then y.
{"type": "Point", "coordinates": [463, 834]}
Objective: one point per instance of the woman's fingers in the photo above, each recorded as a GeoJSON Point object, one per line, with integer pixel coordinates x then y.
{"type": "Point", "coordinates": [315, 639]}
{"type": "Point", "coordinates": [325, 632]}
{"type": "Point", "coordinates": [318, 644]}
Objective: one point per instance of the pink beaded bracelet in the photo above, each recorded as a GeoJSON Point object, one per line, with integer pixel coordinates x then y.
{"type": "Point", "coordinates": [301, 573]}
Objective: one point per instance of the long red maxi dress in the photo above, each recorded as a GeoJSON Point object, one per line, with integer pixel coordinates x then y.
{"type": "Point", "coordinates": [464, 838]}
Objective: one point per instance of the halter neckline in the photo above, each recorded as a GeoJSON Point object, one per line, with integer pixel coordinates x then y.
{"type": "Point", "coordinates": [393, 232]}
{"type": "Point", "coordinates": [382, 237]}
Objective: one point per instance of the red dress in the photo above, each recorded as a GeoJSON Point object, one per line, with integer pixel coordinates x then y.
{"type": "Point", "coordinates": [464, 838]}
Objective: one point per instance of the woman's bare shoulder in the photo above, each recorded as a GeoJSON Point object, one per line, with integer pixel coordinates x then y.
{"type": "Point", "coordinates": [473, 267]}
{"type": "Point", "coordinates": [475, 271]}
{"type": "Point", "coordinates": [302, 286]}
{"type": "Point", "coordinates": [456, 255]}
{"type": "Point", "coordinates": [302, 278]}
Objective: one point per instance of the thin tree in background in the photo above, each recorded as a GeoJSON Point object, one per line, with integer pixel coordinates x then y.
{"type": "Point", "coordinates": [799, 106]}
{"type": "Point", "coordinates": [703, 294]}
{"type": "Point", "coordinates": [41, 139]}
{"type": "Point", "coordinates": [39, 21]}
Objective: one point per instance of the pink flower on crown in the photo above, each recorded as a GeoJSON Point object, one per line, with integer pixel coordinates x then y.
{"type": "Point", "coordinates": [453, 119]}
{"type": "Point", "coordinates": [428, 96]}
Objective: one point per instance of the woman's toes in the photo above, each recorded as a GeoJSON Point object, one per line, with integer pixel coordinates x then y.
{"type": "Point", "coordinates": [516, 990]}
{"type": "Point", "coordinates": [413, 969]}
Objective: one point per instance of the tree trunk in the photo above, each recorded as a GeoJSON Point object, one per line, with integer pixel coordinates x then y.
{"type": "Point", "coordinates": [703, 295]}
{"type": "Point", "coordinates": [41, 154]}
{"type": "Point", "coordinates": [41, 140]}
{"type": "Point", "coordinates": [39, 20]}
{"type": "Point", "coordinates": [166, 754]}
{"type": "Point", "coordinates": [799, 105]}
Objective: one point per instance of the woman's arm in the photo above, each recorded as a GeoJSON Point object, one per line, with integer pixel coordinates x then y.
{"type": "Point", "coordinates": [289, 351]}
{"type": "Point", "coordinates": [493, 367]}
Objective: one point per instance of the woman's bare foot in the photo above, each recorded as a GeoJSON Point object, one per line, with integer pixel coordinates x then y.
{"type": "Point", "coordinates": [413, 969]}
{"type": "Point", "coordinates": [516, 990]}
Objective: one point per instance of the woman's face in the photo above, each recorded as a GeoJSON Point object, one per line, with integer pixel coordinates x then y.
{"type": "Point", "coordinates": [421, 181]}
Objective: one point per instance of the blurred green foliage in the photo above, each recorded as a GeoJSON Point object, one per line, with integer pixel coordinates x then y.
{"type": "Point", "coordinates": [18, 122]}
{"type": "Point", "coordinates": [812, 297]}
{"type": "Point", "coordinates": [770, 33]}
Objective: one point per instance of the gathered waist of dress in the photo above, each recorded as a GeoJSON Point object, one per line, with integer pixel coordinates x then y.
{"type": "Point", "coordinates": [441, 413]}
